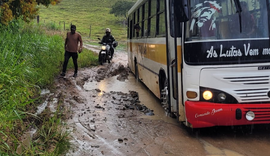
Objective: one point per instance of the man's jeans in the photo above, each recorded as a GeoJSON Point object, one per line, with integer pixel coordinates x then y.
{"type": "Point", "coordinates": [74, 56]}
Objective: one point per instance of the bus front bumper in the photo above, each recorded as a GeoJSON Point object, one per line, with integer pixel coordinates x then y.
{"type": "Point", "coordinates": [206, 114]}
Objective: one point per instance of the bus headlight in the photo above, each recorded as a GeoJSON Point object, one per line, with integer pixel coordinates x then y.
{"type": "Point", "coordinates": [221, 97]}
{"type": "Point", "coordinates": [250, 115]}
{"type": "Point", "coordinates": [216, 96]}
{"type": "Point", "coordinates": [207, 95]}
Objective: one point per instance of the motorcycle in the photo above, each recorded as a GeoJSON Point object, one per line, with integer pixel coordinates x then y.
{"type": "Point", "coordinates": [105, 52]}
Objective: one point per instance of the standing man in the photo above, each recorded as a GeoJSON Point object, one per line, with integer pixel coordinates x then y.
{"type": "Point", "coordinates": [71, 49]}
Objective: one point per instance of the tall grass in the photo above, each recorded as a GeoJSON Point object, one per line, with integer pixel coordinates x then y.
{"type": "Point", "coordinates": [29, 60]}
{"type": "Point", "coordinates": [52, 26]}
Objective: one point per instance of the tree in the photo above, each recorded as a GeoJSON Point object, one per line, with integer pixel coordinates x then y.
{"type": "Point", "coordinates": [27, 9]}
{"type": "Point", "coordinates": [121, 8]}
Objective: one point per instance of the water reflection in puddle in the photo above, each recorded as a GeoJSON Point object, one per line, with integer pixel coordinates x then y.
{"type": "Point", "coordinates": [145, 95]}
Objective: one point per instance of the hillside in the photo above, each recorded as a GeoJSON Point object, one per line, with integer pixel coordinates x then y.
{"type": "Point", "coordinates": [86, 13]}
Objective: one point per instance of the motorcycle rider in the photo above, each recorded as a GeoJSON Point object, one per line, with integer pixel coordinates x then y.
{"type": "Point", "coordinates": [109, 39]}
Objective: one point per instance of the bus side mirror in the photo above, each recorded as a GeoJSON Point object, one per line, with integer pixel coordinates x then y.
{"type": "Point", "coordinates": [185, 11]}
{"type": "Point", "coordinates": [181, 10]}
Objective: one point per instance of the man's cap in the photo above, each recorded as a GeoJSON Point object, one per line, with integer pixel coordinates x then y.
{"type": "Point", "coordinates": [73, 27]}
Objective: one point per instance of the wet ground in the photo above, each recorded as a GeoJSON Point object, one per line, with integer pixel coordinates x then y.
{"type": "Point", "coordinates": [111, 113]}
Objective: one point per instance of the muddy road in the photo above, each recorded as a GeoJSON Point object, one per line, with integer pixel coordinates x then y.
{"type": "Point", "coordinates": [111, 113]}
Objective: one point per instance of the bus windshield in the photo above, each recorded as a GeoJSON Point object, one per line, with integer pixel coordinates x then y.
{"type": "Point", "coordinates": [220, 19]}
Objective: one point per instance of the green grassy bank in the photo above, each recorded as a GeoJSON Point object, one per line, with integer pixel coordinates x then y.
{"type": "Point", "coordinates": [86, 13]}
{"type": "Point", "coordinates": [29, 61]}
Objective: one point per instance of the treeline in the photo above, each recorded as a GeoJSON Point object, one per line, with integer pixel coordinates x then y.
{"type": "Point", "coordinates": [27, 9]}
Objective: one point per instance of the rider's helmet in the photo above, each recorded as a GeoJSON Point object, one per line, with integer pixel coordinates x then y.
{"type": "Point", "coordinates": [108, 31]}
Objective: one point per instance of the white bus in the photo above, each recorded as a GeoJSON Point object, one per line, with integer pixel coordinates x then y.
{"type": "Point", "coordinates": [207, 60]}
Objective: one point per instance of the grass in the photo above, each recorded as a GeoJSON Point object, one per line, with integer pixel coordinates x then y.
{"type": "Point", "coordinates": [29, 61]}
{"type": "Point", "coordinates": [86, 13]}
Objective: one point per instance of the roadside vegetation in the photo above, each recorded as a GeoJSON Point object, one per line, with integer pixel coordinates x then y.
{"type": "Point", "coordinates": [29, 61]}
{"type": "Point", "coordinates": [31, 56]}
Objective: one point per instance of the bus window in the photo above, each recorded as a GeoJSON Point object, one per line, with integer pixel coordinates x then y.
{"type": "Point", "coordinates": [152, 20]}
{"type": "Point", "coordinates": [153, 26]}
{"type": "Point", "coordinates": [130, 29]}
{"type": "Point", "coordinates": [138, 15]}
{"type": "Point", "coordinates": [137, 25]}
{"type": "Point", "coordinates": [153, 10]}
{"type": "Point", "coordinates": [146, 13]}
{"type": "Point", "coordinates": [219, 20]}
{"type": "Point", "coordinates": [161, 5]}
{"type": "Point", "coordinates": [175, 25]}
{"type": "Point", "coordinates": [142, 24]}
{"type": "Point", "coordinates": [133, 23]}
{"type": "Point", "coordinates": [137, 29]}
{"type": "Point", "coordinates": [161, 29]}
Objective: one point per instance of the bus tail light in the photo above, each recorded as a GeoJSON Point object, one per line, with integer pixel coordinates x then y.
{"type": "Point", "coordinates": [191, 94]}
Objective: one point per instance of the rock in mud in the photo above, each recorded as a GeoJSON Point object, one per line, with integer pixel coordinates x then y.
{"type": "Point", "coordinates": [120, 140]}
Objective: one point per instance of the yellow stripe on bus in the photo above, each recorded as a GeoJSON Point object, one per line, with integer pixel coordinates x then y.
{"type": "Point", "coordinates": [155, 52]}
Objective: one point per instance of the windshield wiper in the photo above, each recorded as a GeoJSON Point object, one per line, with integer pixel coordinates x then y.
{"type": "Point", "coordinates": [238, 10]}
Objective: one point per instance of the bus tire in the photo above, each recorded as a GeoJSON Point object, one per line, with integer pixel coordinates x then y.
{"type": "Point", "coordinates": [164, 97]}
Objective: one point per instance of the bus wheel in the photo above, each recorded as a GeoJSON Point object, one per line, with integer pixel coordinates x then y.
{"type": "Point", "coordinates": [164, 97]}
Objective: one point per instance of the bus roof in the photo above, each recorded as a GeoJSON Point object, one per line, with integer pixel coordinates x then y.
{"type": "Point", "coordinates": [135, 6]}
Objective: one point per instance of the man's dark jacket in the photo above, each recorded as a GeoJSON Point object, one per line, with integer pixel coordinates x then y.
{"type": "Point", "coordinates": [107, 39]}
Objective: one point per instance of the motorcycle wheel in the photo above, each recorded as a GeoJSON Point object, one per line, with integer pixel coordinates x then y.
{"type": "Point", "coordinates": [102, 59]}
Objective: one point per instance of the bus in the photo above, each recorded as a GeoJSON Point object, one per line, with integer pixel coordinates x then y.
{"type": "Point", "coordinates": [208, 61]}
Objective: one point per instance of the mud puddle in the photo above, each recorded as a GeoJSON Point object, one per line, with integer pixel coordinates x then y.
{"type": "Point", "coordinates": [131, 84]}
{"type": "Point", "coordinates": [111, 113]}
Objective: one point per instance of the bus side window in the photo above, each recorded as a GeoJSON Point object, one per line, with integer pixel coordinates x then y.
{"type": "Point", "coordinates": [137, 29]}
{"type": "Point", "coordinates": [153, 26]}
{"type": "Point", "coordinates": [130, 29]}
{"type": "Point", "coordinates": [142, 18]}
{"type": "Point", "coordinates": [146, 19]}
{"type": "Point", "coordinates": [133, 23]}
